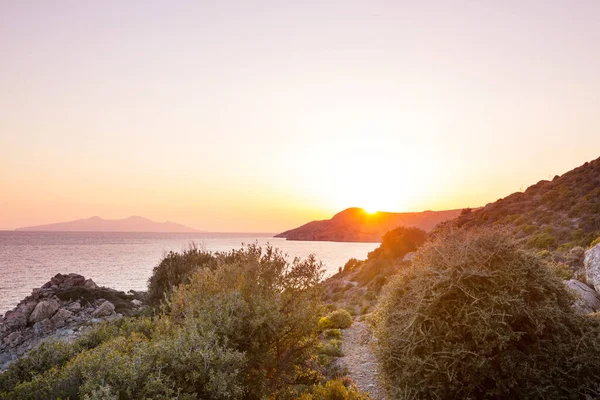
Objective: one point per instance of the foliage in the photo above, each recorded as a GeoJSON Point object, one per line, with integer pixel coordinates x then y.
{"type": "Point", "coordinates": [244, 328]}
{"type": "Point", "coordinates": [595, 242]}
{"type": "Point", "coordinates": [332, 334]}
{"type": "Point", "coordinates": [332, 348]}
{"type": "Point", "coordinates": [399, 242]}
{"type": "Point", "coordinates": [479, 317]}
{"type": "Point", "coordinates": [335, 390]}
{"type": "Point", "coordinates": [561, 270]}
{"type": "Point", "coordinates": [340, 319]}
{"type": "Point", "coordinates": [175, 269]}
{"type": "Point", "coordinates": [570, 204]}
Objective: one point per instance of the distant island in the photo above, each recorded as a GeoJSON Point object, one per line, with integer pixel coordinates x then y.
{"type": "Point", "coordinates": [357, 225]}
{"type": "Point", "coordinates": [97, 224]}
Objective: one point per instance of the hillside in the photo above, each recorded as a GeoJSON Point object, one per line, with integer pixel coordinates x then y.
{"type": "Point", "coordinates": [97, 224]}
{"type": "Point", "coordinates": [357, 225]}
{"type": "Point", "coordinates": [554, 215]}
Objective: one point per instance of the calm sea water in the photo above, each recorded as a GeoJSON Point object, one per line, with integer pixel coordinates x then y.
{"type": "Point", "coordinates": [125, 260]}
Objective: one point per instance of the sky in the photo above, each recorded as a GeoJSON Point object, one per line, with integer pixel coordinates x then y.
{"type": "Point", "coordinates": [259, 116]}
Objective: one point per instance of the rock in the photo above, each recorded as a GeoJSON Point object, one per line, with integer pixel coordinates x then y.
{"type": "Point", "coordinates": [73, 280]}
{"type": "Point", "coordinates": [587, 300]}
{"type": "Point", "coordinates": [45, 309]}
{"type": "Point", "coordinates": [104, 310]}
{"type": "Point", "coordinates": [90, 284]}
{"type": "Point", "coordinates": [13, 338]}
{"type": "Point", "coordinates": [60, 318]}
{"type": "Point", "coordinates": [42, 326]}
{"type": "Point", "coordinates": [18, 317]}
{"type": "Point", "coordinates": [591, 263]}
{"type": "Point", "coordinates": [136, 302]}
{"type": "Point", "coordinates": [75, 306]}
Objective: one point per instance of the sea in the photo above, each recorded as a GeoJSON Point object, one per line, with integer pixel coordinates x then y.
{"type": "Point", "coordinates": [124, 261]}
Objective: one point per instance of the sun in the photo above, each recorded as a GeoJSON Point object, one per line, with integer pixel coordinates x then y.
{"type": "Point", "coordinates": [370, 210]}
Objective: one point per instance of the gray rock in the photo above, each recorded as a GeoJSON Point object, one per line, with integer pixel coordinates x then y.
{"type": "Point", "coordinates": [45, 309]}
{"type": "Point", "coordinates": [73, 280]}
{"type": "Point", "coordinates": [586, 299]}
{"type": "Point", "coordinates": [42, 326]}
{"type": "Point", "coordinates": [591, 263]}
{"type": "Point", "coordinates": [14, 338]}
{"type": "Point", "coordinates": [136, 302]}
{"type": "Point", "coordinates": [18, 317]}
{"type": "Point", "coordinates": [60, 318]}
{"type": "Point", "coordinates": [90, 284]}
{"type": "Point", "coordinates": [75, 306]}
{"type": "Point", "coordinates": [104, 310]}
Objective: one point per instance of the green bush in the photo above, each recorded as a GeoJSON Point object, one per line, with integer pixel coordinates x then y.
{"type": "Point", "coordinates": [325, 323]}
{"type": "Point", "coordinates": [542, 240]}
{"type": "Point", "coordinates": [332, 334]}
{"type": "Point", "coordinates": [561, 270]}
{"type": "Point", "coordinates": [175, 269]}
{"type": "Point", "coordinates": [340, 319]}
{"type": "Point", "coordinates": [332, 348]}
{"type": "Point", "coordinates": [478, 317]}
{"type": "Point", "coordinates": [335, 390]}
{"type": "Point", "coordinates": [244, 328]}
{"type": "Point", "coordinates": [399, 242]}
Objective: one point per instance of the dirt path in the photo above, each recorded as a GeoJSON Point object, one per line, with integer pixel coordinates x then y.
{"type": "Point", "coordinates": [360, 360]}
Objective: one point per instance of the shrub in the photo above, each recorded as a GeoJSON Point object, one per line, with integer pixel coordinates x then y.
{"type": "Point", "coordinates": [595, 242]}
{"type": "Point", "coordinates": [335, 390]}
{"type": "Point", "coordinates": [542, 240]}
{"type": "Point", "coordinates": [340, 319]}
{"type": "Point", "coordinates": [244, 328]}
{"type": "Point", "coordinates": [398, 242]}
{"type": "Point", "coordinates": [333, 348]}
{"type": "Point", "coordinates": [325, 323]}
{"type": "Point", "coordinates": [561, 270]}
{"type": "Point", "coordinates": [332, 334]}
{"type": "Point", "coordinates": [175, 269]}
{"type": "Point", "coordinates": [479, 317]}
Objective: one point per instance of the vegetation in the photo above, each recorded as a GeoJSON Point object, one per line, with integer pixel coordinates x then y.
{"type": "Point", "coordinates": [176, 269]}
{"type": "Point", "coordinates": [556, 215]}
{"type": "Point", "coordinates": [242, 324]}
{"type": "Point", "coordinates": [477, 316]}
{"type": "Point", "coordinates": [399, 242]}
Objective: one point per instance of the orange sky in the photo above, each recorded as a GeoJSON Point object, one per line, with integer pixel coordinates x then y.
{"type": "Point", "coordinates": [261, 117]}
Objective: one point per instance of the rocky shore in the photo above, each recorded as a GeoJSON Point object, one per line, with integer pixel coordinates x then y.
{"type": "Point", "coordinates": [62, 309]}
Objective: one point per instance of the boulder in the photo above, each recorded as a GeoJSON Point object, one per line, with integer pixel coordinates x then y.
{"type": "Point", "coordinates": [591, 262]}
{"type": "Point", "coordinates": [43, 326]}
{"type": "Point", "coordinates": [18, 317]}
{"type": "Point", "coordinates": [586, 299]}
{"type": "Point", "coordinates": [90, 284]}
{"type": "Point", "coordinates": [45, 309]}
{"type": "Point", "coordinates": [136, 302]}
{"type": "Point", "coordinates": [60, 318]}
{"type": "Point", "coordinates": [104, 310]}
{"type": "Point", "coordinates": [73, 280]}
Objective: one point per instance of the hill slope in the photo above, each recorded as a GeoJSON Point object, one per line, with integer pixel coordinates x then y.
{"type": "Point", "coordinates": [356, 225]}
{"type": "Point", "coordinates": [97, 224]}
{"type": "Point", "coordinates": [558, 214]}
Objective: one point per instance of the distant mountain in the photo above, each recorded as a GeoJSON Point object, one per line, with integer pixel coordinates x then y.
{"type": "Point", "coordinates": [97, 224]}
{"type": "Point", "coordinates": [554, 215]}
{"type": "Point", "coordinates": [357, 225]}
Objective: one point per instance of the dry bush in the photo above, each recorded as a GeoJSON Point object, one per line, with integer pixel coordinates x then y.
{"type": "Point", "coordinates": [479, 317]}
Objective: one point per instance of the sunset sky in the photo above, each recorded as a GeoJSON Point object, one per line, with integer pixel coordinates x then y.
{"type": "Point", "coordinates": [263, 115]}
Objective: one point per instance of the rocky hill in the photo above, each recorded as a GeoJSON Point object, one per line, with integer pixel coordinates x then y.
{"type": "Point", "coordinates": [97, 224]}
{"type": "Point", "coordinates": [357, 225]}
{"type": "Point", "coordinates": [555, 215]}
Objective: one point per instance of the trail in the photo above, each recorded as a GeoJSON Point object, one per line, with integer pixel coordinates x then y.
{"type": "Point", "coordinates": [360, 360]}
